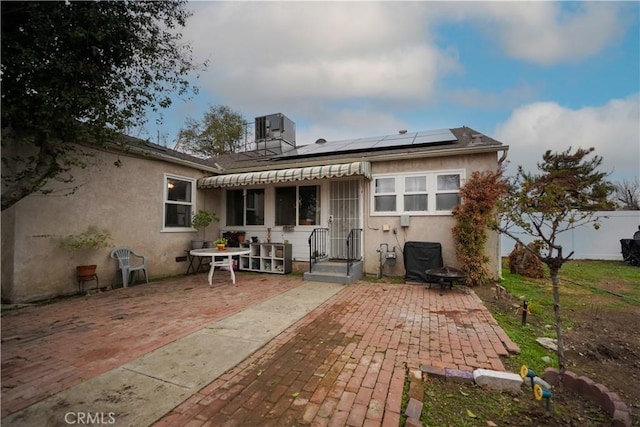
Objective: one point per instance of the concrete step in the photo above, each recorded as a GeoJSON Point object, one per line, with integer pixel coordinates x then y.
{"type": "Point", "coordinates": [330, 267]}
{"type": "Point", "coordinates": [330, 278]}
{"type": "Point", "coordinates": [335, 272]}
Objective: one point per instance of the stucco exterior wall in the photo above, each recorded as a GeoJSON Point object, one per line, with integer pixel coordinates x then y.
{"type": "Point", "coordinates": [126, 200]}
{"type": "Point", "coordinates": [423, 228]}
{"type": "Point", "coordinates": [430, 228]}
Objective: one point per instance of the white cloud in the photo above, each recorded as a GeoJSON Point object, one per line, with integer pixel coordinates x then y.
{"type": "Point", "coordinates": [544, 32]}
{"type": "Point", "coordinates": [612, 129]}
{"type": "Point", "coordinates": [508, 97]}
{"type": "Point", "coordinates": [271, 52]}
{"type": "Point", "coordinates": [347, 69]}
{"type": "Point", "coordinates": [266, 54]}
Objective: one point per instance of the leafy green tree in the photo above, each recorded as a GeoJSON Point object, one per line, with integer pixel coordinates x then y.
{"type": "Point", "coordinates": [82, 72]}
{"type": "Point", "coordinates": [564, 195]}
{"type": "Point", "coordinates": [220, 131]}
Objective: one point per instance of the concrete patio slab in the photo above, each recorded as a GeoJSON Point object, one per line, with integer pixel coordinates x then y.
{"type": "Point", "coordinates": [252, 325]}
{"type": "Point", "coordinates": [121, 396]}
{"type": "Point", "coordinates": [194, 361]}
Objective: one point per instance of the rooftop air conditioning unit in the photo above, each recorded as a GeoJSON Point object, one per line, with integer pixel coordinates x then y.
{"type": "Point", "coordinates": [275, 126]}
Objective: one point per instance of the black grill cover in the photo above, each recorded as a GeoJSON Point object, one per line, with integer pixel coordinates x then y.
{"type": "Point", "coordinates": [631, 251]}
{"type": "Point", "coordinates": [421, 256]}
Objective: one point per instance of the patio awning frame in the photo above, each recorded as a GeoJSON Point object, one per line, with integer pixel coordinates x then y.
{"type": "Point", "coordinates": [286, 175]}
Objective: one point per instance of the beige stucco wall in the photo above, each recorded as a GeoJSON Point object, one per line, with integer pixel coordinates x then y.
{"type": "Point", "coordinates": [431, 228]}
{"type": "Point", "coordinates": [126, 200]}
{"type": "Point", "coordinates": [129, 202]}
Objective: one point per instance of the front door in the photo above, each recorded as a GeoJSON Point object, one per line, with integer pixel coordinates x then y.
{"type": "Point", "coordinates": [344, 211]}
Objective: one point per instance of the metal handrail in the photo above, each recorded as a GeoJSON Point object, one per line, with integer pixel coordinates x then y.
{"type": "Point", "coordinates": [353, 247]}
{"type": "Point", "coordinates": [317, 246]}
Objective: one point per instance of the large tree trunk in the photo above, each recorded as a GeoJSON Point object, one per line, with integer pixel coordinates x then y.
{"type": "Point", "coordinates": [556, 309]}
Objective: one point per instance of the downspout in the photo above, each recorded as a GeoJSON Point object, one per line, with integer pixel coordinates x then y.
{"type": "Point", "coordinates": [499, 245]}
{"type": "Point", "coordinates": [505, 151]}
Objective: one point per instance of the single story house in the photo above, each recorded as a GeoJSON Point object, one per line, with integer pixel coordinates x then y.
{"type": "Point", "coordinates": [330, 200]}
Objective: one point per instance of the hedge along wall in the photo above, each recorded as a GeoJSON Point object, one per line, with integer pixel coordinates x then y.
{"type": "Point", "coordinates": [589, 243]}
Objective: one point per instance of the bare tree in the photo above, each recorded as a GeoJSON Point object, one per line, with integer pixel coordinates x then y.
{"type": "Point", "coordinates": [627, 194]}
{"type": "Point", "coordinates": [564, 195]}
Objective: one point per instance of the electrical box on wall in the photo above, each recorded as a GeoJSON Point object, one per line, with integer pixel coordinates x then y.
{"type": "Point", "coordinates": [404, 220]}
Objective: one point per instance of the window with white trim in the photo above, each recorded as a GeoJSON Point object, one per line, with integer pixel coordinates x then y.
{"type": "Point", "coordinates": [384, 197]}
{"type": "Point", "coordinates": [179, 197]}
{"type": "Point", "coordinates": [447, 191]}
{"type": "Point", "coordinates": [426, 193]}
{"type": "Point", "coordinates": [416, 198]}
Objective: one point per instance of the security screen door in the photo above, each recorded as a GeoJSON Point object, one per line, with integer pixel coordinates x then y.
{"type": "Point", "coordinates": [344, 211]}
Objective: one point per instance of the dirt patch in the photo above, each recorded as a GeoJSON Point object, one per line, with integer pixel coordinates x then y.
{"type": "Point", "coordinates": [605, 346]}
{"type": "Point", "coordinates": [472, 405]}
{"type": "Point", "coordinates": [603, 341]}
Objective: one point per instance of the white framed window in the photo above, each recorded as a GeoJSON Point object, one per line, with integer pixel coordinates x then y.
{"type": "Point", "coordinates": [385, 195]}
{"type": "Point", "coordinates": [179, 202]}
{"type": "Point", "coordinates": [416, 193]}
{"type": "Point", "coordinates": [447, 191]}
{"type": "Point", "coordinates": [416, 197]}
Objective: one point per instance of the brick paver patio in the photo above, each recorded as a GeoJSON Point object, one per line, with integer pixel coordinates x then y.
{"type": "Point", "coordinates": [343, 364]}
{"type": "Point", "coordinates": [46, 349]}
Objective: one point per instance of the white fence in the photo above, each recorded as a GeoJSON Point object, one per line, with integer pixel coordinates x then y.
{"type": "Point", "coordinates": [587, 242]}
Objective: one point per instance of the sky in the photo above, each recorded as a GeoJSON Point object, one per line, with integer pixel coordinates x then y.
{"type": "Point", "coordinates": [536, 76]}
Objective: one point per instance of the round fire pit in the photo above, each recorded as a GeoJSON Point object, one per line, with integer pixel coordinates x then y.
{"type": "Point", "coordinates": [445, 276]}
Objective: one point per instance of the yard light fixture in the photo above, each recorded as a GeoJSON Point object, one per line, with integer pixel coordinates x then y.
{"type": "Point", "coordinates": [543, 393]}
{"type": "Point", "coordinates": [528, 373]}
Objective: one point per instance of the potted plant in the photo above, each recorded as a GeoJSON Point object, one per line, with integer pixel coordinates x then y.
{"type": "Point", "coordinates": [200, 221]}
{"type": "Point", "coordinates": [92, 238]}
{"type": "Point", "coordinates": [221, 243]}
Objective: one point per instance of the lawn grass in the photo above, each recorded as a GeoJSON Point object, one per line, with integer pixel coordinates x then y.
{"type": "Point", "coordinates": [596, 271]}
{"type": "Point", "coordinates": [603, 276]}
{"type": "Point", "coordinates": [584, 286]}
{"type": "Point", "coordinates": [580, 282]}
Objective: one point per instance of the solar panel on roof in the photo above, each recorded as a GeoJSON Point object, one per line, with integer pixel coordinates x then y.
{"type": "Point", "coordinates": [331, 147]}
{"type": "Point", "coordinates": [430, 139]}
{"type": "Point", "coordinates": [434, 132]}
{"type": "Point", "coordinates": [358, 145]}
{"type": "Point", "coordinates": [372, 143]}
{"type": "Point", "coordinates": [303, 149]}
{"type": "Point", "coordinates": [407, 136]}
{"type": "Point", "coordinates": [387, 143]}
{"type": "Point", "coordinates": [424, 139]}
{"type": "Point", "coordinates": [368, 139]}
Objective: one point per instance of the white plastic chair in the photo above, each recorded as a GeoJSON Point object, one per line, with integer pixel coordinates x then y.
{"type": "Point", "coordinates": [124, 255]}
